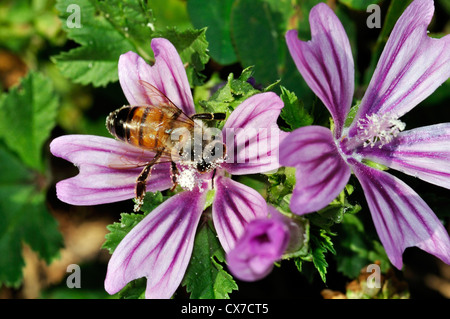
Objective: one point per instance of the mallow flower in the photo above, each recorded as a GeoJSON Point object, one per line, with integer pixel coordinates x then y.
{"type": "Point", "coordinates": [160, 246]}
{"type": "Point", "coordinates": [412, 65]}
{"type": "Point", "coordinates": [264, 242]}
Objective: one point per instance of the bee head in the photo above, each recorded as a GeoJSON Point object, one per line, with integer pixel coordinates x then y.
{"type": "Point", "coordinates": [203, 166]}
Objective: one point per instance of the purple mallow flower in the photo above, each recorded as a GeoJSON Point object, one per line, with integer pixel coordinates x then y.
{"type": "Point", "coordinates": [410, 68]}
{"type": "Point", "coordinates": [263, 242]}
{"type": "Point", "coordinates": [160, 246]}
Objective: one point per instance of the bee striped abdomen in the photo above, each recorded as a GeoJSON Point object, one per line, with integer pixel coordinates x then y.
{"type": "Point", "coordinates": [138, 126]}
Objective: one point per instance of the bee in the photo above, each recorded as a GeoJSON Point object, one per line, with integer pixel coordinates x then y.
{"type": "Point", "coordinates": [150, 127]}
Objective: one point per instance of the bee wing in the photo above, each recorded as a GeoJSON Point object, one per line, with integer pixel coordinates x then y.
{"type": "Point", "coordinates": [139, 160]}
{"type": "Point", "coordinates": [157, 98]}
{"type": "Point", "coordinates": [160, 100]}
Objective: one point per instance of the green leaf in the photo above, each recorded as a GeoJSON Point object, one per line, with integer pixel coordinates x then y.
{"type": "Point", "coordinates": [25, 219]}
{"type": "Point", "coordinates": [205, 277]}
{"type": "Point", "coordinates": [118, 231]}
{"type": "Point", "coordinates": [293, 112]}
{"type": "Point", "coordinates": [335, 211]}
{"type": "Point", "coordinates": [170, 13]}
{"type": "Point", "coordinates": [359, 4]}
{"type": "Point", "coordinates": [92, 64]}
{"type": "Point", "coordinates": [268, 21]}
{"type": "Point", "coordinates": [101, 41]}
{"type": "Point", "coordinates": [133, 19]}
{"type": "Point", "coordinates": [352, 113]}
{"type": "Point", "coordinates": [27, 115]}
{"type": "Point", "coordinates": [229, 96]}
{"type": "Point", "coordinates": [355, 249]}
{"type": "Point", "coordinates": [446, 5]}
{"type": "Point", "coordinates": [320, 245]}
{"type": "Point", "coordinates": [215, 14]}
{"type": "Point", "coordinates": [267, 52]}
{"type": "Point", "coordinates": [280, 188]}
{"type": "Point", "coordinates": [134, 289]}
{"type": "Point", "coordinates": [192, 47]}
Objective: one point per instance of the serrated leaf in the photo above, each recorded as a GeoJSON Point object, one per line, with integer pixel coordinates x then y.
{"type": "Point", "coordinates": [27, 115]}
{"type": "Point", "coordinates": [132, 18]}
{"type": "Point", "coordinates": [320, 245]}
{"type": "Point", "coordinates": [293, 112]}
{"type": "Point", "coordinates": [355, 249]}
{"type": "Point", "coordinates": [25, 219]}
{"type": "Point", "coordinates": [215, 14]}
{"type": "Point", "coordinates": [95, 61]}
{"type": "Point", "coordinates": [205, 277]}
{"type": "Point", "coordinates": [117, 231]}
{"type": "Point", "coordinates": [229, 96]}
{"type": "Point", "coordinates": [192, 47]}
{"type": "Point", "coordinates": [91, 65]}
{"type": "Point", "coordinates": [134, 289]}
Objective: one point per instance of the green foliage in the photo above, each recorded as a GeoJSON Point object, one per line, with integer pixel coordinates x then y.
{"type": "Point", "coordinates": [25, 219]}
{"type": "Point", "coordinates": [28, 25]}
{"type": "Point", "coordinates": [293, 112]}
{"type": "Point", "coordinates": [321, 244]}
{"type": "Point", "coordinates": [205, 277]}
{"type": "Point", "coordinates": [229, 96]}
{"type": "Point", "coordinates": [131, 18]}
{"type": "Point", "coordinates": [269, 21]}
{"type": "Point", "coordinates": [111, 28]}
{"type": "Point", "coordinates": [355, 249]}
{"type": "Point", "coordinates": [335, 211]}
{"type": "Point", "coordinates": [95, 60]}
{"type": "Point", "coordinates": [193, 50]}
{"type": "Point", "coordinates": [216, 15]}
{"type": "Point", "coordinates": [359, 4]}
{"type": "Point", "coordinates": [27, 115]}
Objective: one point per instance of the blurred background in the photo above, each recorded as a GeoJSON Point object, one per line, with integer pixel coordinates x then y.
{"type": "Point", "coordinates": [41, 236]}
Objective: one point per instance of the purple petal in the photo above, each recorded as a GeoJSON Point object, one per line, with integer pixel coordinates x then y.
{"type": "Point", "coordinates": [401, 217]}
{"type": "Point", "coordinates": [263, 242]}
{"type": "Point", "coordinates": [252, 135]}
{"type": "Point", "coordinates": [167, 75]}
{"type": "Point", "coordinates": [108, 170]}
{"type": "Point", "coordinates": [422, 152]}
{"type": "Point", "coordinates": [158, 248]}
{"type": "Point", "coordinates": [234, 206]}
{"type": "Point", "coordinates": [411, 66]}
{"type": "Point", "coordinates": [321, 172]}
{"type": "Point", "coordinates": [326, 62]}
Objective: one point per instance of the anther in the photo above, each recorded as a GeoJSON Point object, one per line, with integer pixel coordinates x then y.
{"type": "Point", "coordinates": [378, 129]}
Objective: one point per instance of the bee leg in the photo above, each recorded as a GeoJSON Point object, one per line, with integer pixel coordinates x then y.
{"type": "Point", "coordinates": [141, 182]}
{"type": "Point", "coordinates": [212, 178]}
{"type": "Point", "coordinates": [174, 173]}
{"type": "Point", "coordinates": [209, 116]}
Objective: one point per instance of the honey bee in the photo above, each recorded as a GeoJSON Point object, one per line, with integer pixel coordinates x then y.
{"type": "Point", "coordinates": [149, 127]}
